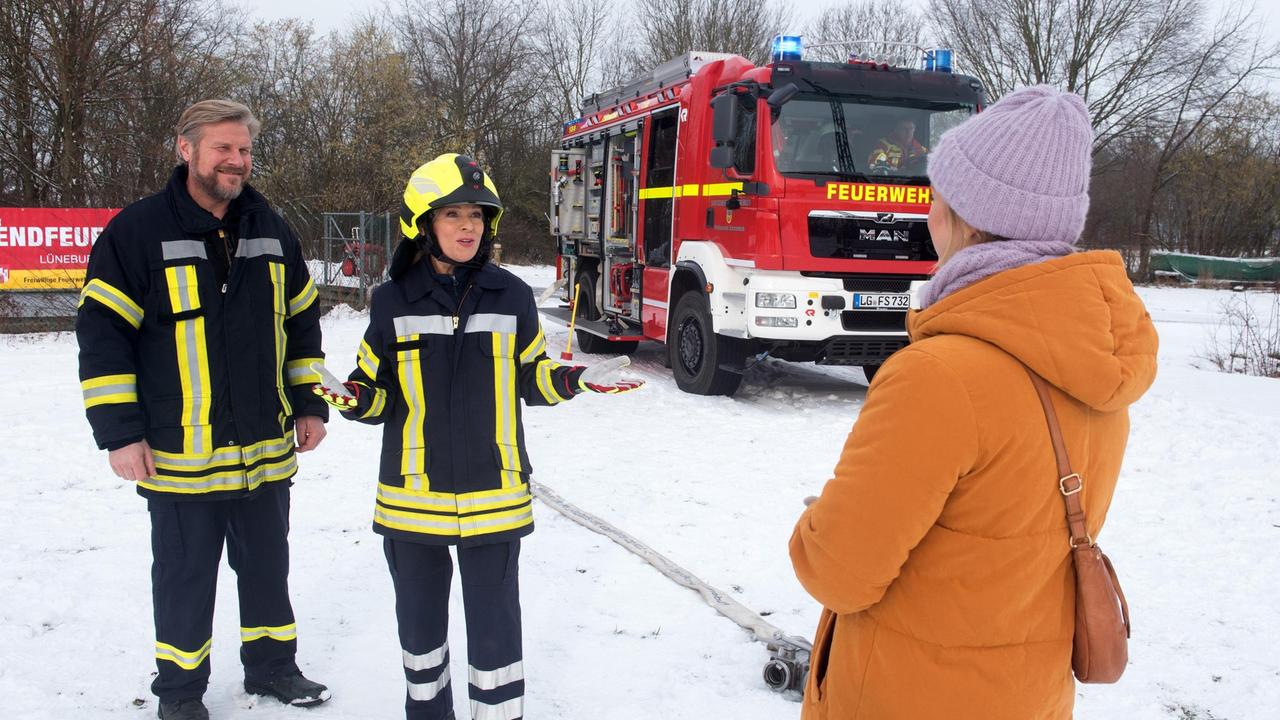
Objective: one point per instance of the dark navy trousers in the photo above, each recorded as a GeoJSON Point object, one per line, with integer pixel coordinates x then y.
{"type": "Point", "coordinates": [186, 548]}
{"type": "Point", "coordinates": [491, 600]}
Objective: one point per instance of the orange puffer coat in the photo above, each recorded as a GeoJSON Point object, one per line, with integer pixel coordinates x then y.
{"type": "Point", "coordinates": [939, 549]}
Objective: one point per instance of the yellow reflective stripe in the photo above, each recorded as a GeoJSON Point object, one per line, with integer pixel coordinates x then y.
{"type": "Point", "coordinates": [413, 458]}
{"type": "Point", "coordinates": [496, 522]}
{"type": "Point", "coordinates": [488, 501]}
{"type": "Point", "coordinates": [536, 348]}
{"type": "Point", "coordinates": [281, 308]}
{"type": "Point", "coordinates": [282, 633]}
{"type": "Point", "coordinates": [183, 659]}
{"type": "Point", "coordinates": [221, 456]}
{"type": "Point", "coordinates": [651, 193]}
{"type": "Point", "coordinates": [686, 190]}
{"type": "Point", "coordinates": [546, 385]}
{"type": "Point", "coordinates": [397, 497]}
{"type": "Point", "coordinates": [114, 299]}
{"type": "Point", "coordinates": [109, 390]}
{"type": "Point", "coordinates": [300, 372]}
{"type": "Point", "coordinates": [377, 405]}
{"type": "Point", "coordinates": [303, 299]}
{"type": "Point", "coordinates": [416, 522]}
{"type": "Point", "coordinates": [719, 189]}
{"type": "Point", "coordinates": [184, 293]}
{"type": "Point", "coordinates": [368, 360]}
{"type": "Point", "coordinates": [504, 403]}
{"type": "Point", "coordinates": [193, 376]}
{"type": "Point", "coordinates": [236, 479]}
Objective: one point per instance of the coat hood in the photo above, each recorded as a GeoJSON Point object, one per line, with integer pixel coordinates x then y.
{"type": "Point", "coordinates": [1075, 320]}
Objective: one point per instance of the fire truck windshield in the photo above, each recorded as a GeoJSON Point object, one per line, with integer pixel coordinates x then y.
{"type": "Point", "coordinates": [860, 137]}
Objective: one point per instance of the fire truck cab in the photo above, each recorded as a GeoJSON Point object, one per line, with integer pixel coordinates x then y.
{"type": "Point", "coordinates": [729, 210]}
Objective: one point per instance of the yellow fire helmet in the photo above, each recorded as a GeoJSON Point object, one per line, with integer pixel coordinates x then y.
{"type": "Point", "coordinates": [450, 179]}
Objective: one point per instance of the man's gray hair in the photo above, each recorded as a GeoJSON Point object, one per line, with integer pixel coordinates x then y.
{"type": "Point", "coordinates": [210, 112]}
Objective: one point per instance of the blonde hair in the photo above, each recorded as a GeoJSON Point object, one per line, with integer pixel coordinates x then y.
{"type": "Point", "coordinates": [958, 225]}
{"type": "Point", "coordinates": [210, 112]}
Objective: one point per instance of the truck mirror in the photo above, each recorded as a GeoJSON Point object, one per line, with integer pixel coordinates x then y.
{"type": "Point", "coordinates": [724, 118]}
{"type": "Point", "coordinates": [722, 156]}
{"type": "Point", "coordinates": [782, 95]}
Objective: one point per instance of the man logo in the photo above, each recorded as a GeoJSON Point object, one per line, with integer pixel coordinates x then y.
{"type": "Point", "coordinates": [885, 218]}
{"type": "Point", "coordinates": [4, 275]}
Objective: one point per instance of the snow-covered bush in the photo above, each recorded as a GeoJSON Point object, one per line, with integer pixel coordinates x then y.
{"type": "Point", "coordinates": [1246, 341]}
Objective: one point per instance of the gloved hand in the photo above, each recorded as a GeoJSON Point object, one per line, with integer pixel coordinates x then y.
{"type": "Point", "coordinates": [338, 394]}
{"type": "Point", "coordinates": [606, 377]}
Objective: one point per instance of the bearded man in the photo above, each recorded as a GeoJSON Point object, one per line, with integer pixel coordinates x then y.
{"type": "Point", "coordinates": [198, 324]}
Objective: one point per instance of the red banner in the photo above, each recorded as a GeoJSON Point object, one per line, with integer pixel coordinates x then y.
{"type": "Point", "coordinates": [47, 248]}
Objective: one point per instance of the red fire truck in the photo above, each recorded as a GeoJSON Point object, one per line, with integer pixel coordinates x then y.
{"type": "Point", "coordinates": [730, 210]}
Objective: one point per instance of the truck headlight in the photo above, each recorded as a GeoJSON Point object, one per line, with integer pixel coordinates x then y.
{"type": "Point", "coordinates": [776, 321]}
{"type": "Point", "coordinates": [781, 301]}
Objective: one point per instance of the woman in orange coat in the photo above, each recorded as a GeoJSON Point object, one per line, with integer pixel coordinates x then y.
{"type": "Point", "coordinates": [940, 548]}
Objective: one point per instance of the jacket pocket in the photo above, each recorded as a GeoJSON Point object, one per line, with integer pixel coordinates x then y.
{"type": "Point", "coordinates": [181, 422]}
{"type": "Point", "coordinates": [820, 659]}
{"type": "Point", "coordinates": [511, 458]}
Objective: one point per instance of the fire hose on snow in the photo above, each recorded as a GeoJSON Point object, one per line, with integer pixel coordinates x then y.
{"type": "Point", "coordinates": [788, 665]}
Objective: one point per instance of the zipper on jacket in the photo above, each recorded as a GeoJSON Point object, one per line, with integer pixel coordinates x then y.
{"type": "Point", "coordinates": [461, 301]}
{"type": "Point", "coordinates": [222, 235]}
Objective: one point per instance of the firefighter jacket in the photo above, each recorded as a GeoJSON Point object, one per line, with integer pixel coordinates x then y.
{"type": "Point", "coordinates": [210, 374]}
{"type": "Point", "coordinates": [445, 379]}
{"type": "Point", "coordinates": [887, 152]}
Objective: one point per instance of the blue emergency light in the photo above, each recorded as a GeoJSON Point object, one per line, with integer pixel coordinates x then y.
{"type": "Point", "coordinates": [938, 60]}
{"type": "Point", "coordinates": [787, 48]}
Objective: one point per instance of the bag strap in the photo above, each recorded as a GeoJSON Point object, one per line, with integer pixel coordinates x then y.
{"type": "Point", "coordinates": [1070, 484]}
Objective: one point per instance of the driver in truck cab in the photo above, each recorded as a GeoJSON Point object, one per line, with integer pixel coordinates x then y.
{"type": "Point", "coordinates": [898, 149]}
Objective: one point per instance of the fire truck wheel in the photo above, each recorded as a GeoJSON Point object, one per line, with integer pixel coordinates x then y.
{"type": "Point", "coordinates": [590, 310]}
{"type": "Point", "coordinates": [699, 357]}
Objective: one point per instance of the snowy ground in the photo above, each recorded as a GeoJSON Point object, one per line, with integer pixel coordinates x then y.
{"type": "Point", "coordinates": [1193, 531]}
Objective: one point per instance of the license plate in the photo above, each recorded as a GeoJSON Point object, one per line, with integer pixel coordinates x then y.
{"type": "Point", "coordinates": [882, 301]}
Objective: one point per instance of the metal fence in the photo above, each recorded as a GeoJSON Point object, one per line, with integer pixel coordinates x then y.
{"type": "Point", "coordinates": [352, 255]}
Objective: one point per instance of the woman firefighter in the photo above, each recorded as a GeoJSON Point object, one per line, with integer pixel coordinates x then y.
{"type": "Point", "coordinates": [453, 344]}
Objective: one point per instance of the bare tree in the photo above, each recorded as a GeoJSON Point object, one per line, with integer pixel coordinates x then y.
{"type": "Point", "coordinates": [83, 85]}
{"type": "Point", "coordinates": [862, 20]}
{"type": "Point", "coordinates": [1121, 56]}
{"type": "Point", "coordinates": [667, 28]}
{"type": "Point", "coordinates": [1216, 71]}
{"type": "Point", "coordinates": [572, 40]}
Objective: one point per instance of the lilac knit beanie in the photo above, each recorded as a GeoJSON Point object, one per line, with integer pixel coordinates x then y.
{"type": "Point", "coordinates": [1019, 169]}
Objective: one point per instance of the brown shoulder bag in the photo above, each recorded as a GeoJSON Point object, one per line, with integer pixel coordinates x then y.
{"type": "Point", "coordinates": [1100, 649]}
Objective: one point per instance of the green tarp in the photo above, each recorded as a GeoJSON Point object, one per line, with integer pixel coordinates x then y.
{"type": "Point", "coordinates": [1216, 268]}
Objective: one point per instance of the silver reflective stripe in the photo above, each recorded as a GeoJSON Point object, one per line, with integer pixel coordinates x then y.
{"type": "Point", "coordinates": [515, 494]}
{"type": "Point", "coordinates": [187, 286]}
{"type": "Point", "coordinates": [423, 325]}
{"type": "Point", "coordinates": [253, 453]}
{"type": "Point", "coordinates": [222, 456]}
{"type": "Point", "coordinates": [476, 524]}
{"type": "Point", "coordinates": [393, 495]}
{"type": "Point", "coordinates": [416, 522]}
{"type": "Point", "coordinates": [179, 249]}
{"type": "Point", "coordinates": [110, 390]}
{"type": "Point", "coordinates": [509, 710]}
{"type": "Point", "coordinates": [187, 485]}
{"type": "Point", "coordinates": [490, 322]}
{"type": "Point", "coordinates": [426, 661]}
{"type": "Point", "coordinates": [491, 679]}
{"type": "Point", "coordinates": [422, 692]}
{"type": "Point", "coordinates": [254, 247]}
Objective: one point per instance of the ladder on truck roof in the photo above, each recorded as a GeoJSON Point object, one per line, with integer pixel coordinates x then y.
{"type": "Point", "coordinates": [671, 72]}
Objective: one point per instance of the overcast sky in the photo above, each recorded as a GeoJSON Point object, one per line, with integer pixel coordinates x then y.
{"type": "Point", "coordinates": [329, 15]}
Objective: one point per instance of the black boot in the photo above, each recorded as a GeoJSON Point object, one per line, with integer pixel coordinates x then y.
{"type": "Point", "coordinates": [186, 709]}
{"type": "Point", "coordinates": [290, 689]}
